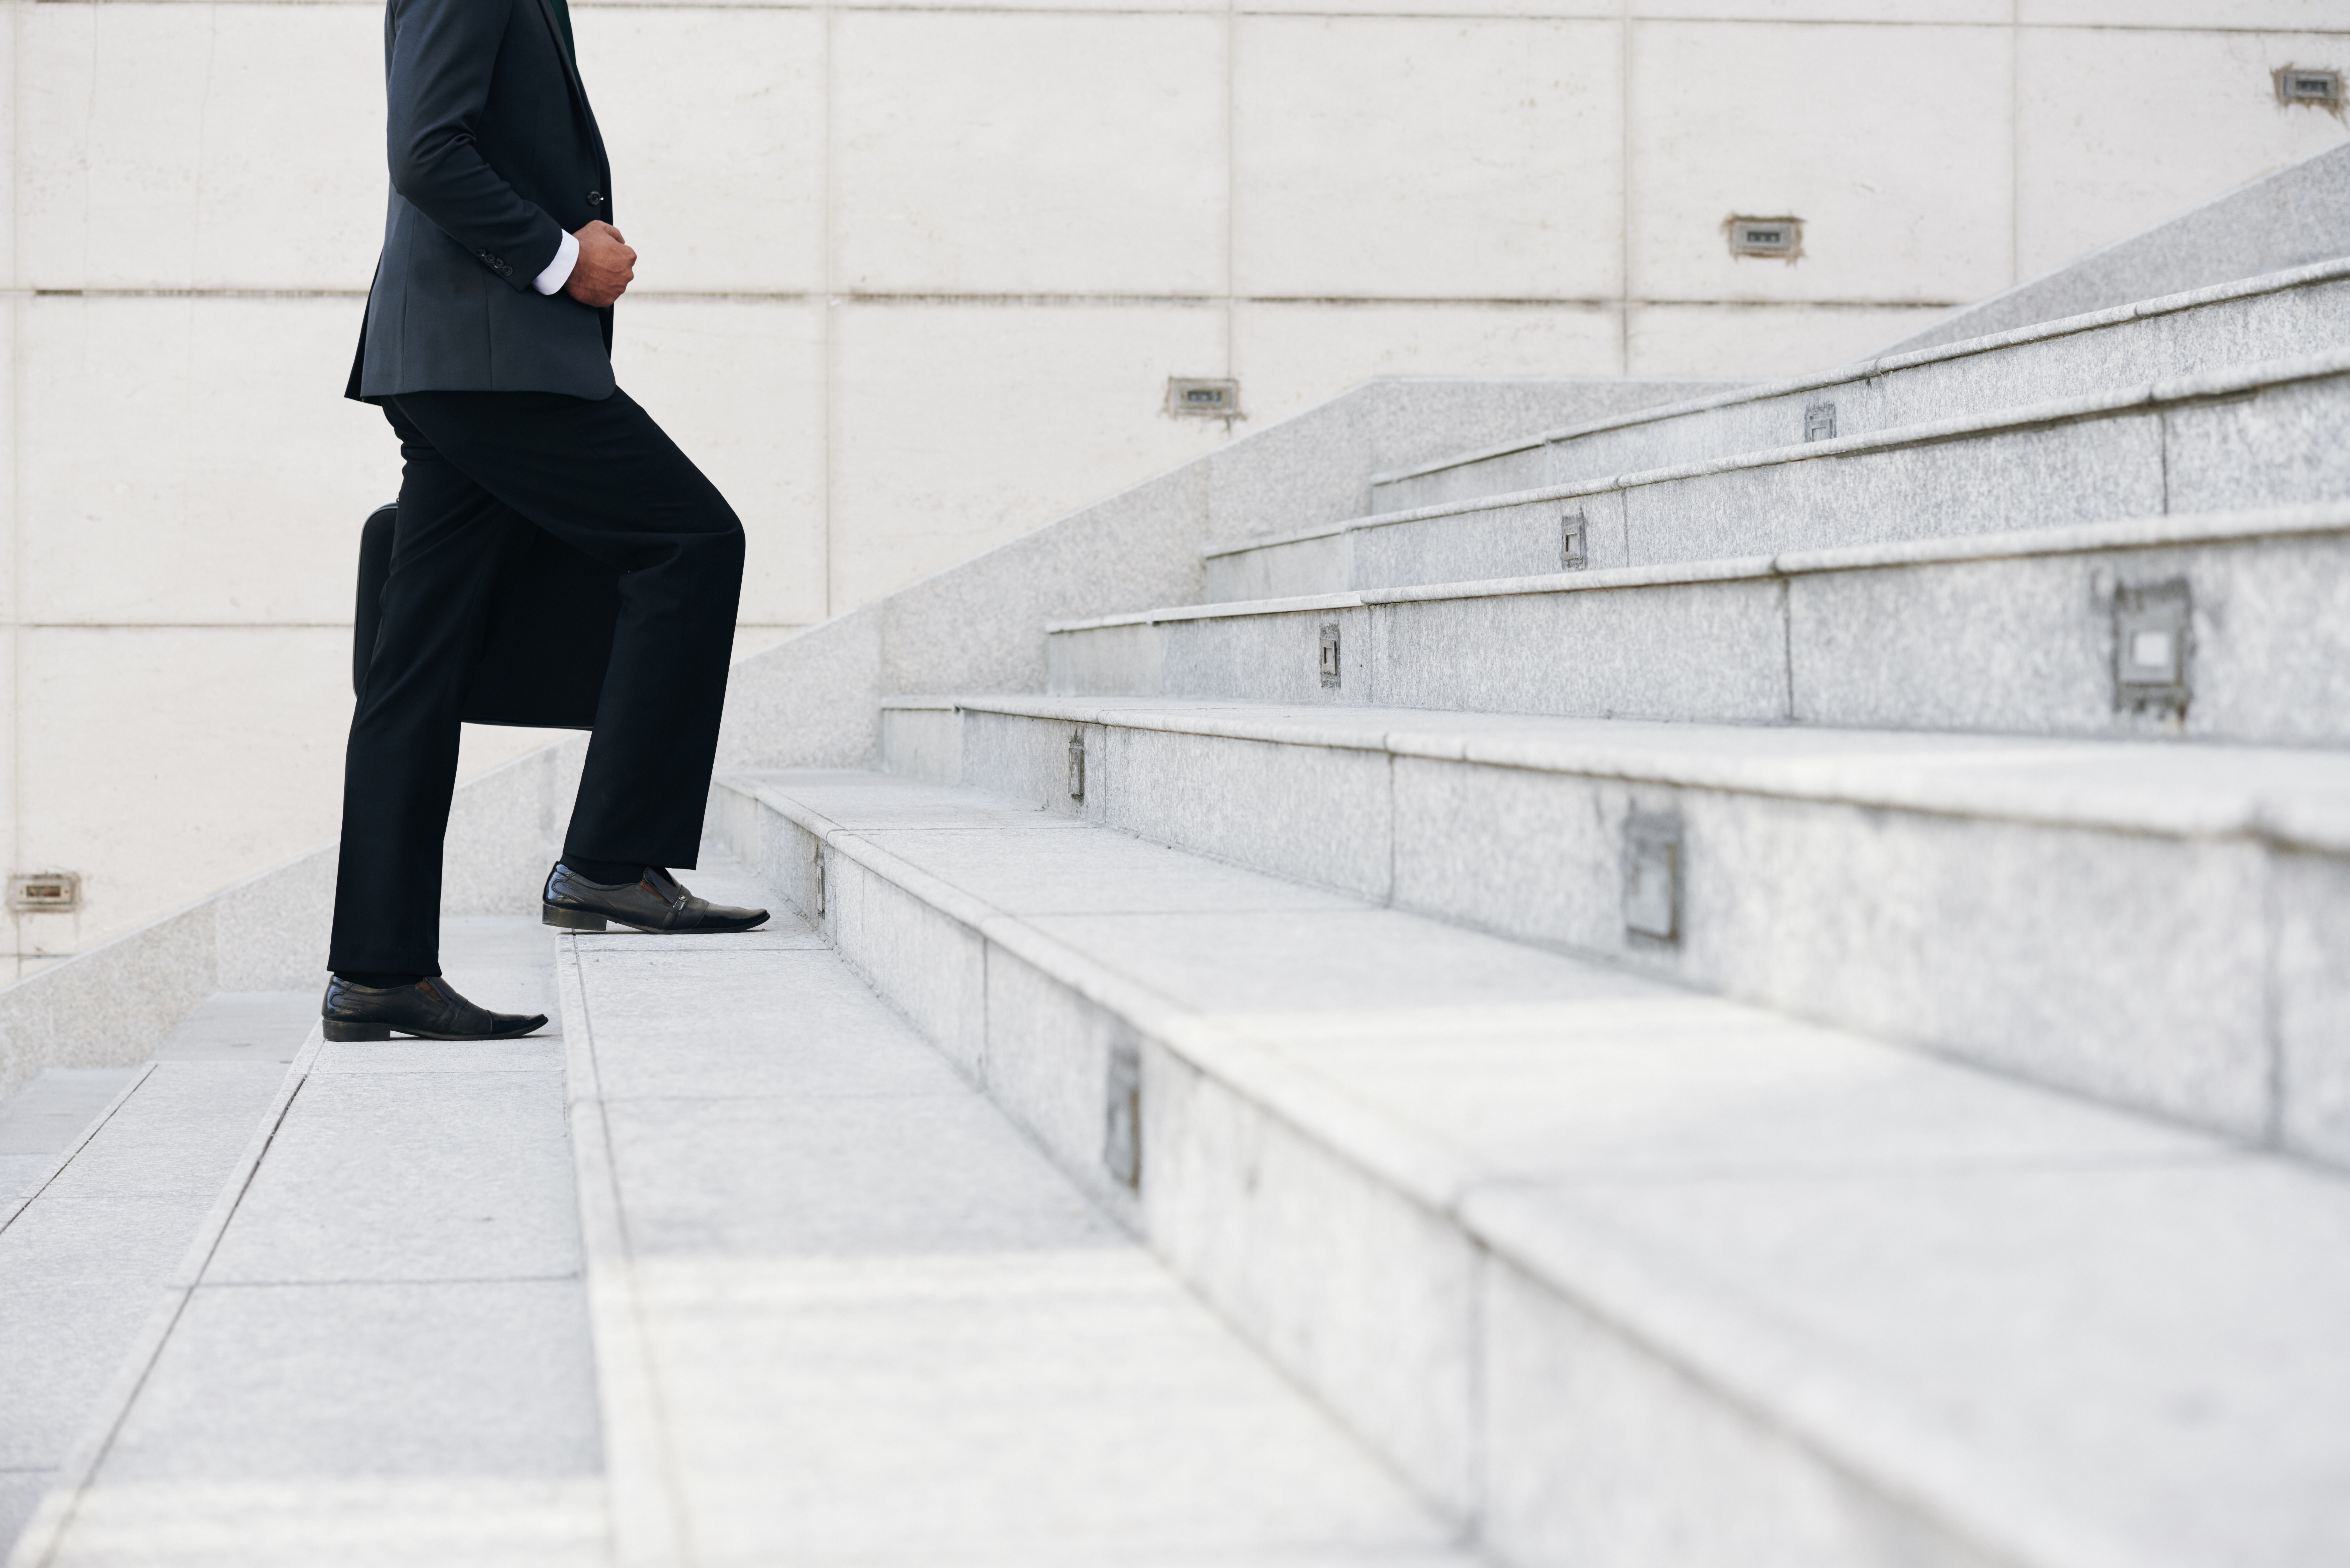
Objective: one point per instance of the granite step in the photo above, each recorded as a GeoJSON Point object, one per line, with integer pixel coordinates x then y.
{"type": "Point", "coordinates": [2228, 627]}
{"type": "Point", "coordinates": [2275, 316]}
{"type": "Point", "coordinates": [367, 1341]}
{"type": "Point", "coordinates": [1618, 1274]}
{"type": "Point", "coordinates": [2146, 924]}
{"type": "Point", "coordinates": [847, 1313]}
{"type": "Point", "coordinates": [105, 1177]}
{"type": "Point", "coordinates": [2275, 433]}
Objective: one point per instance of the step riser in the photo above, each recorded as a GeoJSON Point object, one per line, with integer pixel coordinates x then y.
{"type": "Point", "coordinates": [2051, 952]}
{"type": "Point", "coordinates": [2288, 444]}
{"type": "Point", "coordinates": [2204, 338]}
{"type": "Point", "coordinates": [2021, 645]}
{"type": "Point", "coordinates": [1289, 1237]}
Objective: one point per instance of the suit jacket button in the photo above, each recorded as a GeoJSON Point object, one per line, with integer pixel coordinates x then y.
{"type": "Point", "coordinates": [595, 198]}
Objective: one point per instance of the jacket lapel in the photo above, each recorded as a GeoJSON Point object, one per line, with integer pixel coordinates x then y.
{"type": "Point", "coordinates": [570, 66]}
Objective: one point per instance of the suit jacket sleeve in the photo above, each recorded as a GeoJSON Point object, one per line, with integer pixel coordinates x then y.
{"type": "Point", "coordinates": [442, 54]}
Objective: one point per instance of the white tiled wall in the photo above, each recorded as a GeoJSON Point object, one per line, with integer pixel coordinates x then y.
{"type": "Point", "coordinates": [1426, 158]}
{"type": "Point", "coordinates": [914, 276]}
{"type": "Point", "coordinates": [2115, 123]}
{"type": "Point", "coordinates": [957, 425]}
{"type": "Point", "coordinates": [1044, 153]}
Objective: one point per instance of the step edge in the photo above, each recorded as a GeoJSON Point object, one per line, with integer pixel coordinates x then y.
{"type": "Point", "coordinates": [11, 1209]}
{"type": "Point", "coordinates": [2283, 281]}
{"type": "Point", "coordinates": [2146, 397]}
{"type": "Point", "coordinates": [2312, 815]}
{"type": "Point", "coordinates": [2297, 520]}
{"type": "Point", "coordinates": [641, 1496]}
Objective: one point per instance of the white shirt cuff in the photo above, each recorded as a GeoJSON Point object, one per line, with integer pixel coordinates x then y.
{"type": "Point", "coordinates": [558, 271]}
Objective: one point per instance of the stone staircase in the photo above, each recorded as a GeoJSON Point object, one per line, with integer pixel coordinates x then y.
{"type": "Point", "coordinates": [1823, 1038]}
{"type": "Point", "coordinates": [1722, 977]}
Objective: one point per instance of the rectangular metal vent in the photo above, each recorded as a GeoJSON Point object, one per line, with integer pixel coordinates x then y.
{"type": "Point", "coordinates": [1194, 398]}
{"type": "Point", "coordinates": [1780, 238]}
{"type": "Point", "coordinates": [1819, 422]}
{"type": "Point", "coordinates": [2299, 84]}
{"type": "Point", "coordinates": [1330, 658]}
{"type": "Point", "coordinates": [1652, 876]}
{"type": "Point", "coordinates": [1574, 543]}
{"type": "Point", "coordinates": [45, 893]}
{"type": "Point", "coordinates": [2153, 636]}
{"type": "Point", "coordinates": [1077, 765]}
{"type": "Point", "coordinates": [1122, 1113]}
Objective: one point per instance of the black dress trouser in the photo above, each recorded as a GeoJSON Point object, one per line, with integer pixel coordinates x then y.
{"type": "Point", "coordinates": [482, 469]}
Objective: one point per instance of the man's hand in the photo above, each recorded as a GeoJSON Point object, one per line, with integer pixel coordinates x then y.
{"type": "Point", "coordinates": [605, 268]}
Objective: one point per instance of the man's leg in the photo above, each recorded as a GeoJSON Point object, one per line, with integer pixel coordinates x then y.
{"type": "Point", "coordinates": [604, 477]}
{"type": "Point", "coordinates": [401, 761]}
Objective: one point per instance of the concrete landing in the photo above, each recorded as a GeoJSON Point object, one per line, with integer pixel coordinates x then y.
{"type": "Point", "coordinates": [847, 1313]}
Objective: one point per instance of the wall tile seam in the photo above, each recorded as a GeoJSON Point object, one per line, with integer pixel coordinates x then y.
{"type": "Point", "coordinates": [1592, 13]}
{"type": "Point", "coordinates": [171, 291]}
{"type": "Point", "coordinates": [1019, 299]}
{"type": "Point", "coordinates": [2278, 282]}
{"type": "Point", "coordinates": [2244, 384]}
{"type": "Point", "coordinates": [2248, 818]}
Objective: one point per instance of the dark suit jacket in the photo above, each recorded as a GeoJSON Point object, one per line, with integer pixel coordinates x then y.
{"type": "Point", "coordinates": [494, 157]}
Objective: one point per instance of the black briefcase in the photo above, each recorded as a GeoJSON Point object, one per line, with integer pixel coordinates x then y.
{"type": "Point", "coordinates": [551, 617]}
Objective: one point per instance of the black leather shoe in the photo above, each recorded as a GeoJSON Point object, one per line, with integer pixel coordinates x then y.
{"type": "Point", "coordinates": [429, 1010]}
{"type": "Point", "coordinates": [656, 903]}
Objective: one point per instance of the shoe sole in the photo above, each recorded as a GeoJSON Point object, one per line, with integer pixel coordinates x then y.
{"type": "Point", "coordinates": [361, 1034]}
{"type": "Point", "coordinates": [580, 920]}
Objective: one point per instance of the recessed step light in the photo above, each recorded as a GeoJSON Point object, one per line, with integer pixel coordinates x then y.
{"type": "Point", "coordinates": [1122, 1114]}
{"type": "Point", "coordinates": [2299, 84]}
{"type": "Point", "coordinates": [1652, 875]}
{"type": "Point", "coordinates": [45, 893]}
{"type": "Point", "coordinates": [2153, 646]}
{"type": "Point", "coordinates": [1193, 397]}
{"type": "Point", "coordinates": [1780, 238]}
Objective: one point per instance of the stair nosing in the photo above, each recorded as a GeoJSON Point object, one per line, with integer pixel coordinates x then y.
{"type": "Point", "coordinates": [2283, 281]}
{"type": "Point", "coordinates": [2002, 778]}
{"type": "Point", "coordinates": [2299, 520]}
{"type": "Point", "coordinates": [2120, 402]}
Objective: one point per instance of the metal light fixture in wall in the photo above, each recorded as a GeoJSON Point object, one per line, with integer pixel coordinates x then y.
{"type": "Point", "coordinates": [1122, 1113]}
{"type": "Point", "coordinates": [1819, 422]}
{"type": "Point", "coordinates": [1652, 876]}
{"type": "Point", "coordinates": [1574, 541]}
{"type": "Point", "coordinates": [1195, 397]}
{"type": "Point", "coordinates": [2154, 647]}
{"type": "Point", "coordinates": [45, 893]}
{"type": "Point", "coordinates": [2316, 88]}
{"type": "Point", "coordinates": [1330, 658]}
{"type": "Point", "coordinates": [1780, 238]}
{"type": "Point", "coordinates": [1076, 765]}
